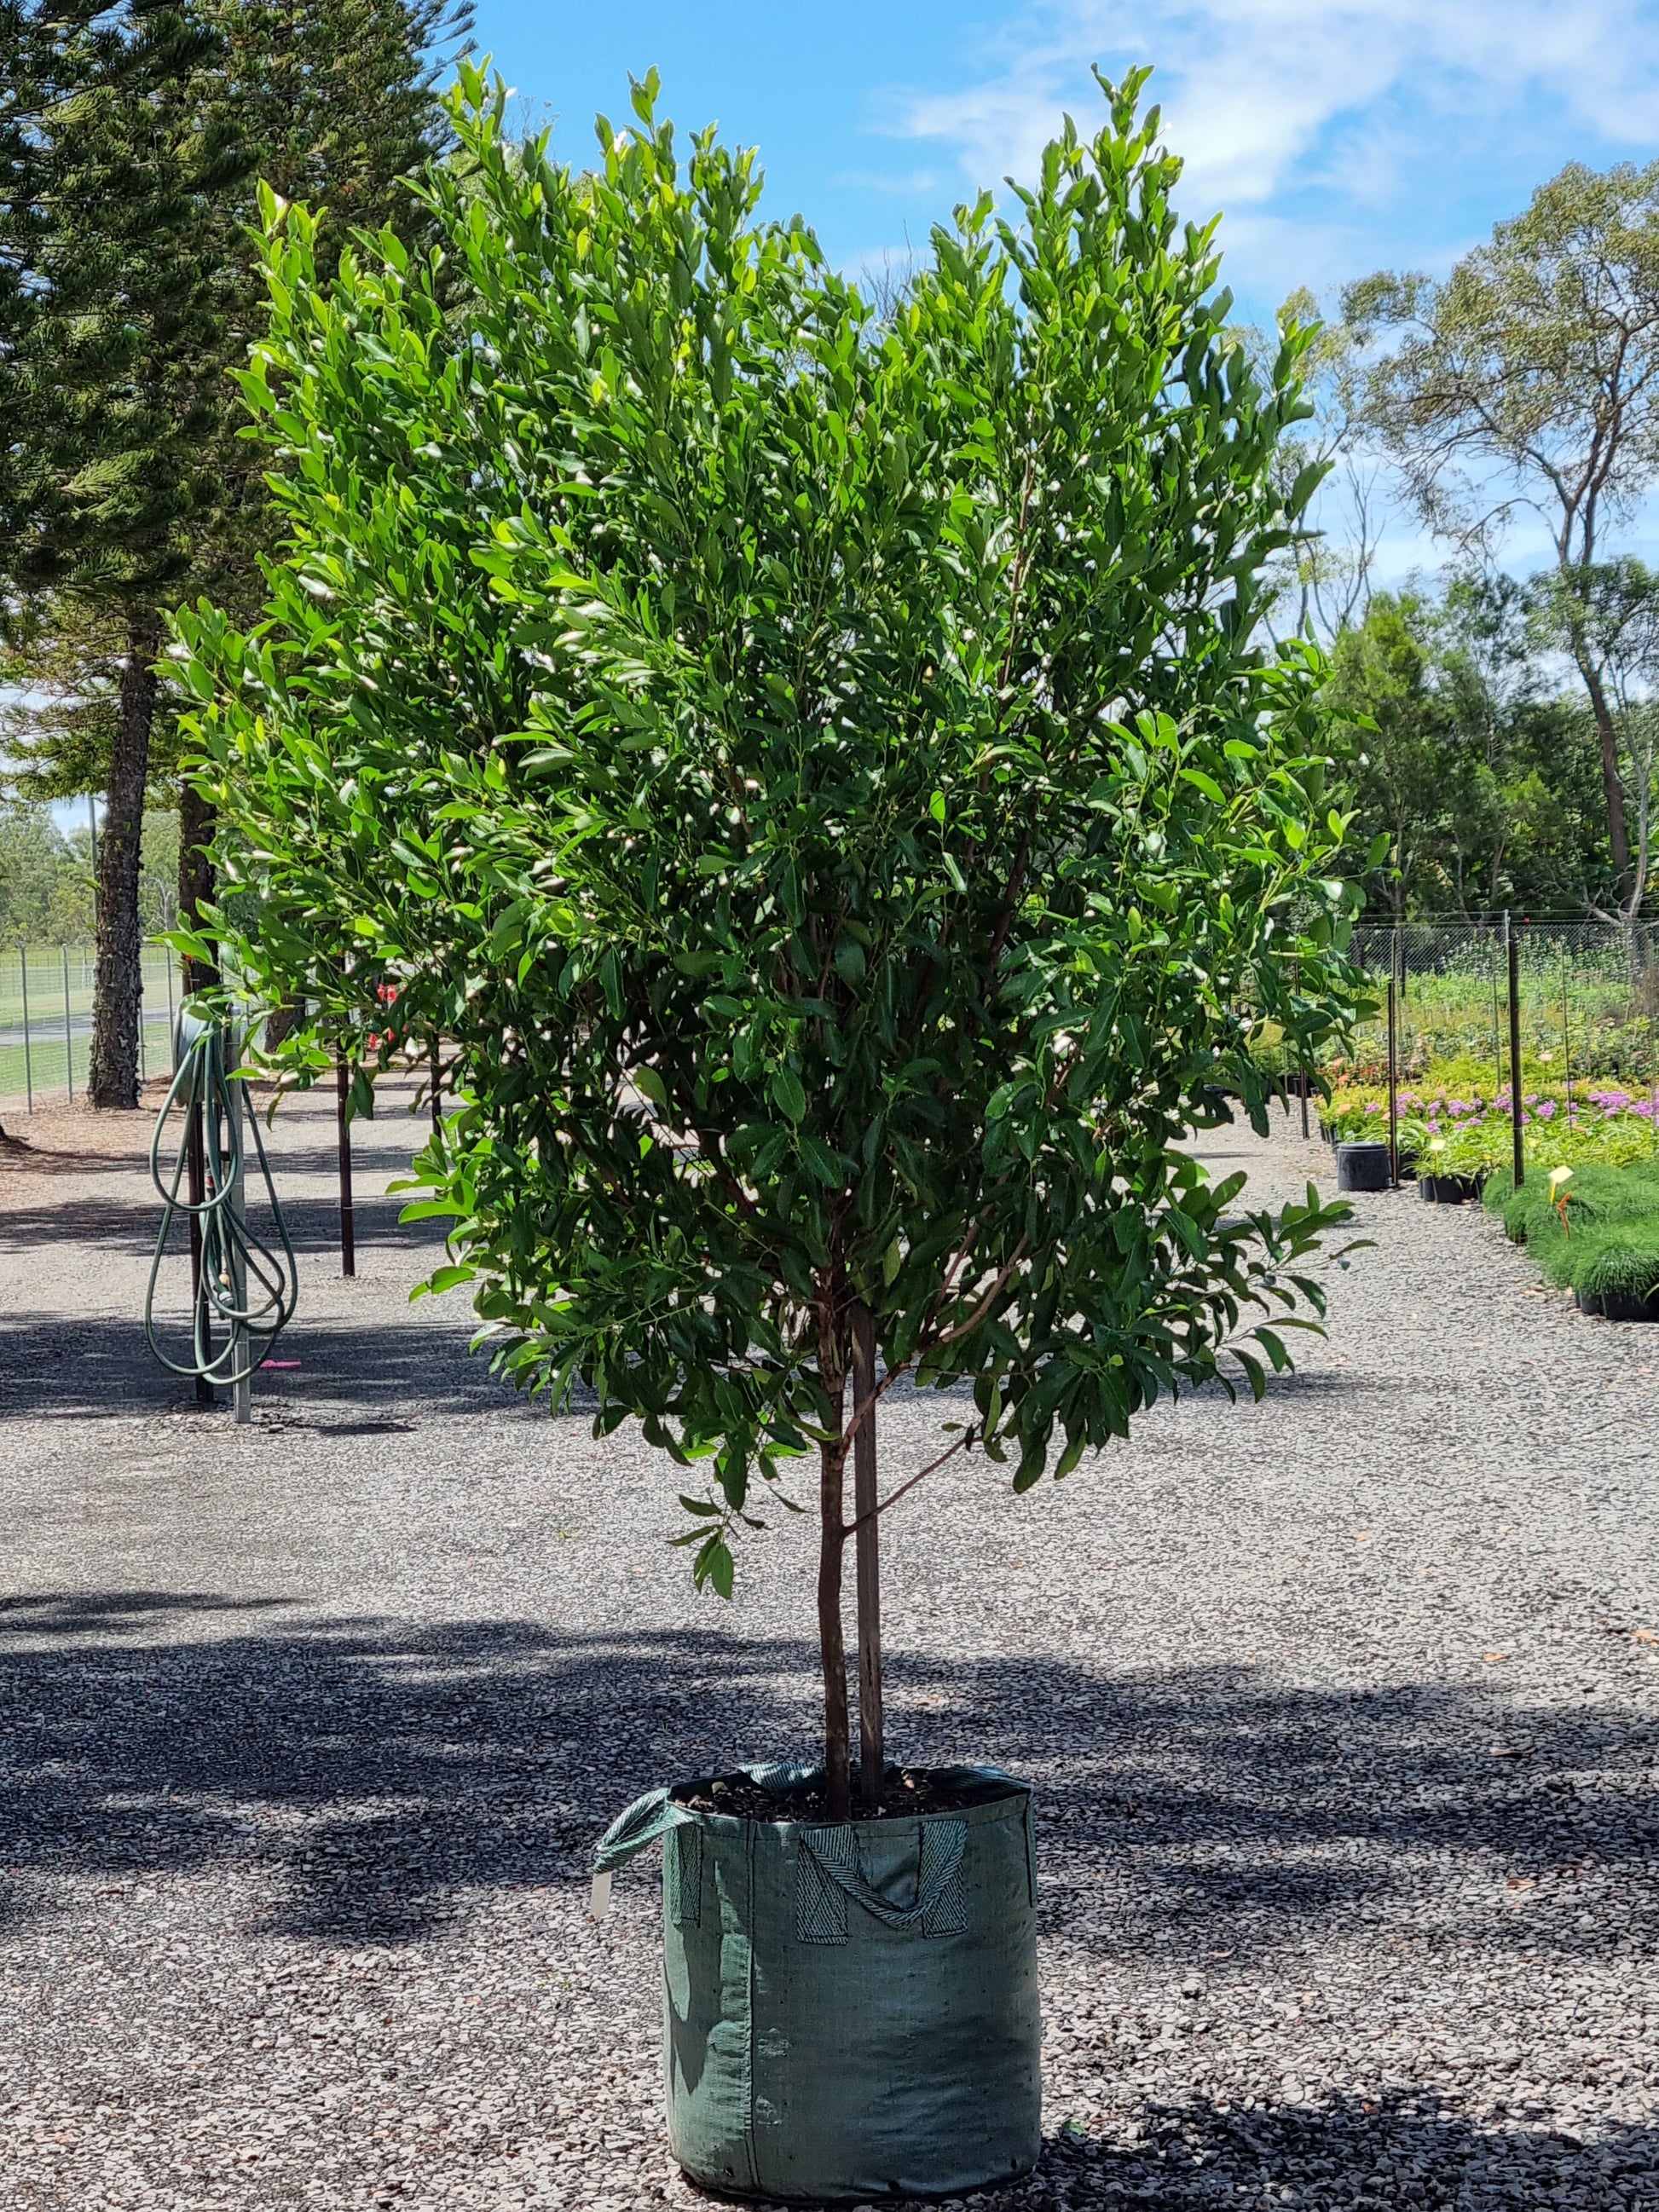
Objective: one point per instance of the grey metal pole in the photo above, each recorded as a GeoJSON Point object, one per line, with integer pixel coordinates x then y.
{"type": "Point", "coordinates": [170, 1013]}
{"type": "Point", "coordinates": [1394, 1096]}
{"type": "Point", "coordinates": [241, 1370]}
{"type": "Point", "coordinates": [68, 1034]}
{"type": "Point", "coordinates": [347, 1227]}
{"type": "Point", "coordinates": [1514, 944]}
{"type": "Point", "coordinates": [29, 1070]}
{"type": "Point", "coordinates": [143, 1070]}
{"type": "Point", "coordinates": [1566, 1035]}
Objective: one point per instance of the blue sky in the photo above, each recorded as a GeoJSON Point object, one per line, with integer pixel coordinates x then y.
{"type": "Point", "coordinates": [1336, 136]}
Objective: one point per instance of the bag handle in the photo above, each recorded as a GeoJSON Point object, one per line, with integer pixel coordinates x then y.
{"type": "Point", "coordinates": [832, 1871]}
{"type": "Point", "coordinates": [645, 1822]}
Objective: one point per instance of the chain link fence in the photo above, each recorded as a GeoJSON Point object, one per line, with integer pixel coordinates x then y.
{"type": "Point", "coordinates": [1587, 999]}
{"type": "Point", "coordinates": [45, 1020]}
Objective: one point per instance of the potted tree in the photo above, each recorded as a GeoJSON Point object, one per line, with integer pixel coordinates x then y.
{"type": "Point", "coordinates": [819, 775]}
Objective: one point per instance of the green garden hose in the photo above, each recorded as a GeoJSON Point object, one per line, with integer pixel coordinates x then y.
{"type": "Point", "coordinates": [243, 1285]}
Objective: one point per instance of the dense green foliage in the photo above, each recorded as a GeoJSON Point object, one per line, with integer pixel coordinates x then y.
{"type": "Point", "coordinates": [819, 774]}
{"type": "Point", "coordinates": [1459, 753]}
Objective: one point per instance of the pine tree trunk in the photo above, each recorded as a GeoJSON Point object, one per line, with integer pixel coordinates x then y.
{"type": "Point", "coordinates": [113, 1074]}
{"type": "Point", "coordinates": [195, 875]}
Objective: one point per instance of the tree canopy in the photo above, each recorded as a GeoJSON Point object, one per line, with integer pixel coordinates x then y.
{"type": "Point", "coordinates": [817, 774]}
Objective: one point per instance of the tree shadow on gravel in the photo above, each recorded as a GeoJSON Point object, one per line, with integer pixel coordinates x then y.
{"type": "Point", "coordinates": [390, 1767]}
{"type": "Point", "coordinates": [1344, 2156]}
{"type": "Point", "coordinates": [86, 1371]}
{"type": "Point", "coordinates": [128, 1222]}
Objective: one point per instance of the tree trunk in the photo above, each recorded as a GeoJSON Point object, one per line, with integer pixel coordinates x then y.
{"type": "Point", "coordinates": [832, 1644]}
{"type": "Point", "coordinates": [113, 1074]}
{"type": "Point", "coordinates": [1613, 785]}
{"type": "Point", "coordinates": [195, 876]}
{"type": "Point", "coordinates": [872, 1748]}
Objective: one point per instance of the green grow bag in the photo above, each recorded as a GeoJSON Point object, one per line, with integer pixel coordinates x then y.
{"type": "Point", "coordinates": [849, 2012]}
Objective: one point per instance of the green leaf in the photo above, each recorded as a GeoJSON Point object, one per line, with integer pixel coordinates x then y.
{"type": "Point", "coordinates": [651, 1085]}
{"type": "Point", "coordinates": [788, 1094]}
{"type": "Point", "coordinates": [823, 1162]}
{"type": "Point", "coordinates": [714, 1564]}
{"type": "Point", "coordinates": [1208, 784]}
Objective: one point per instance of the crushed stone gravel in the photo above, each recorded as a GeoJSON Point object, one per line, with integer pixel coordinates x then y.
{"type": "Point", "coordinates": [1341, 1709]}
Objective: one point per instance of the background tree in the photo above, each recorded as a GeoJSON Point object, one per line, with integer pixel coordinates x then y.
{"type": "Point", "coordinates": [1608, 615]}
{"type": "Point", "coordinates": [1325, 578]}
{"type": "Point", "coordinates": [1380, 675]}
{"type": "Point", "coordinates": [141, 132]}
{"type": "Point", "coordinates": [821, 779]}
{"type": "Point", "coordinates": [115, 405]}
{"type": "Point", "coordinates": [1483, 782]}
{"type": "Point", "coordinates": [1531, 378]}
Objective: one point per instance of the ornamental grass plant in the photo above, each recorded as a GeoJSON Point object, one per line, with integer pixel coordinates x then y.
{"type": "Point", "coordinates": [1594, 1231]}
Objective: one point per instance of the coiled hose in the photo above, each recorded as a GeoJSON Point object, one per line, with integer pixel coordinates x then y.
{"type": "Point", "coordinates": [243, 1285]}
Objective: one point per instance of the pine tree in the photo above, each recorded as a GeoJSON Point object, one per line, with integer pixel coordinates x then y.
{"type": "Point", "coordinates": [131, 141]}
{"type": "Point", "coordinates": [127, 310]}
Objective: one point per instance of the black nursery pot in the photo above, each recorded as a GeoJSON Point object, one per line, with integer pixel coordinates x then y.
{"type": "Point", "coordinates": [1448, 1189]}
{"type": "Point", "coordinates": [1362, 1166]}
{"type": "Point", "coordinates": [1618, 1305]}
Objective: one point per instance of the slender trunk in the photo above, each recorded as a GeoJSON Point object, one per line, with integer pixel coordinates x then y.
{"type": "Point", "coordinates": [1612, 782]}
{"type": "Point", "coordinates": [195, 876]}
{"type": "Point", "coordinates": [872, 1751]}
{"type": "Point", "coordinates": [832, 1643]}
{"type": "Point", "coordinates": [113, 1072]}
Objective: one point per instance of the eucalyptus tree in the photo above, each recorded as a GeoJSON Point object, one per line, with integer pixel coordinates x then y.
{"type": "Point", "coordinates": [1529, 380]}
{"type": "Point", "coordinates": [819, 774]}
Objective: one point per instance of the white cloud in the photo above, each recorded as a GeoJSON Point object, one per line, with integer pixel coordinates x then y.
{"type": "Point", "coordinates": [1367, 103]}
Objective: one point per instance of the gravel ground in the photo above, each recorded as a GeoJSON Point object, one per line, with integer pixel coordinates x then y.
{"type": "Point", "coordinates": [1341, 1709]}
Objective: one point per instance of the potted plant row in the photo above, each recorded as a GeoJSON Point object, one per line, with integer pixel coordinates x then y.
{"type": "Point", "coordinates": [816, 772]}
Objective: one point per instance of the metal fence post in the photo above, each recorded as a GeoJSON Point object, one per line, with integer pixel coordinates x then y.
{"type": "Point", "coordinates": [241, 1344]}
{"type": "Point", "coordinates": [1514, 944]}
{"type": "Point", "coordinates": [68, 1034]}
{"type": "Point", "coordinates": [1394, 1103]}
{"type": "Point", "coordinates": [348, 1227]}
{"type": "Point", "coordinates": [170, 1014]}
{"type": "Point", "coordinates": [1566, 1035]}
{"type": "Point", "coordinates": [29, 1070]}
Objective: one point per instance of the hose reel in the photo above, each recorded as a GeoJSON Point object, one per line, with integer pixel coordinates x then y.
{"type": "Point", "coordinates": [240, 1286]}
